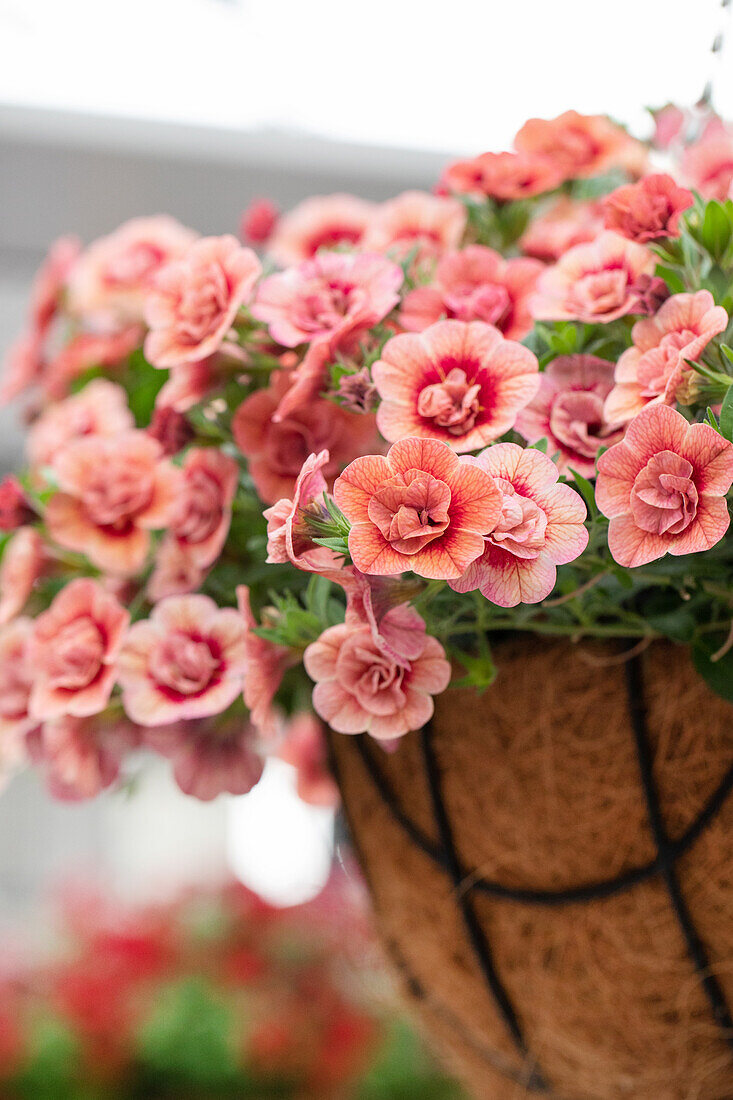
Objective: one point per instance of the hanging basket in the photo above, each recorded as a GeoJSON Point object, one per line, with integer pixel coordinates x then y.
{"type": "Point", "coordinates": [552, 869]}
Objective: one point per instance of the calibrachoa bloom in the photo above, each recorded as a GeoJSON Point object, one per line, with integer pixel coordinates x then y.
{"type": "Point", "coordinates": [113, 491]}
{"type": "Point", "coordinates": [567, 223]}
{"type": "Point", "coordinates": [81, 756]}
{"type": "Point", "coordinates": [359, 689]}
{"type": "Point", "coordinates": [258, 221]}
{"type": "Point", "coordinates": [110, 279]}
{"type": "Point", "coordinates": [420, 508]}
{"type": "Point", "coordinates": [335, 295]}
{"type": "Point", "coordinates": [75, 644]}
{"type": "Point", "coordinates": [265, 665]}
{"type": "Point", "coordinates": [540, 527]}
{"type": "Point", "coordinates": [653, 368]}
{"type": "Point", "coordinates": [708, 164]}
{"type": "Point", "coordinates": [201, 514]}
{"type": "Point", "coordinates": [304, 748]}
{"type": "Point", "coordinates": [51, 280]}
{"type": "Point", "coordinates": [289, 537]}
{"type": "Point", "coordinates": [16, 681]}
{"type": "Point", "coordinates": [194, 300]}
{"type": "Point", "coordinates": [568, 411]}
{"type": "Point", "coordinates": [648, 210]}
{"type": "Point", "coordinates": [503, 176]}
{"type": "Point", "coordinates": [321, 222]}
{"type": "Point", "coordinates": [415, 220]}
{"type": "Point", "coordinates": [594, 282]}
{"type": "Point", "coordinates": [582, 145]}
{"type": "Point", "coordinates": [211, 756]}
{"type": "Point", "coordinates": [461, 383]}
{"type": "Point", "coordinates": [276, 450]}
{"type": "Point", "coordinates": [175, 572]}
{"type": "Point", "coordinates": [15, 509]}
{"type": "Point", "coordinates": [186, 661]}
{"type": "Point", "coordinates": [663, 487]}
{"type": "Point", "coordinates": [475, 284]}
{"type": "Point", "coordinates": [88, 351]}
{"type": "Point", "coordinates": [99, 409]}
{"type": "Point", "coordinates": [21, 566]}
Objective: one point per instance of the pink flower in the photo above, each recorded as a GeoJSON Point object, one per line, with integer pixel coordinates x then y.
{"type": "Point", "coordinates": [359, 689]}
{"type": "Point", "coordinates": [323, 221]}
{"type": "Point", "coordinates": [381, 604]}
{"type": "Point", "coordinates": [458, 382]}
{"type": "Point", "coordinates": [265, 665]}
{"type": "Point", "coordinates": [175, 572]}
{"type": "Point", "coordinates": [194, 300]}
{"type": "Point", "coordinates": [503, 176]}
{"type": "Point", "coordinates": [15, 509]}
{"type": "Point", "coordinates": [652, 369]}
{"type": "Point", "coordinates": [708, 164]}
{"type": "Point", "coordinates": [648, 210]}
{"type": "Point", "coordinates": [21, 566]}
{"type": "Point", "coordinates": [202, 511]}
{"type": "Point", "coordinates": [289, 537]}
{"type": "Point", "coordinates": [276, 450]}
{"type": "Point", "coordinates": [567, 223]}
{"type": "Point", "coordinates": [594, 282]}
{"type": "Point", "coordinates": [86, 351]}
{"type": "Point", "coordinates": [211, 756]}
{"type": "Point", "coordinates": [669, 125]}
{"type": "Point", "coordinates": [258, 221]}
{"type": "Point", "coordinates": [16, 681]}
{"type": "Point", "coordinates": [99, 409]}
{"type": "Point", "coordinates": [111, 278]}
{"type": "Point", "coordinates": [582, 145]}
{"type": "Point", "coordinates": [420, 508]}
{"type": "Point", "coordinates": [73, 650]}
{"type": "Point", "coordinates": [114, 490]}
{"type": "Point", "coordinates": [83, 756]}
{"type": "Point", "coordinates": [186, 661]}
{"type": "Point", "coordinates": [431, 224]}
{"type": "Point", "coordinates": [305, 749]}
{"type": "Point", "coordinates": [50, 282]}
{"type": "Point", "coordinates": [187, 385]}
{"type": "Point", "coordinates": [171, 428]}
{"type": "Point", "coordinates": [475, 284]}
{"type": "Point", "coordinates": [335, 295]}
{"type": "Point", "coordinates": [22, 366]}
{"type": "Point", "coordinates": [540, 527]}
{"type": "Point", "coordinates": [568, 412]}
{"type": "Point", "coordinates": [663, 487]}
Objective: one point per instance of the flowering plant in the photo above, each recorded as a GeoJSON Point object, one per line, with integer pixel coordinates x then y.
{"type": "Point", "coordinates": [326, 479]}
{"type": "Point", "coordinates": [212, 994]}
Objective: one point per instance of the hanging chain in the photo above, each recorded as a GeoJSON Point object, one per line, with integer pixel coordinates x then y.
{"type": "Point", "coordinates": [706, 99]}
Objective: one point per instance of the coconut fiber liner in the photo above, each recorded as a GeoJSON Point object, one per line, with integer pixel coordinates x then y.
{"type": "Point", "coordinates": [552, 869]}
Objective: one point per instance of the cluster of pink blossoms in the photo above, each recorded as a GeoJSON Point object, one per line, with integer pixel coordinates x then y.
{"type": "Point", "coordinates": [388, 402]}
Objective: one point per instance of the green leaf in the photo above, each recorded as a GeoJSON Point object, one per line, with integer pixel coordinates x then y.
{"type": "Point", "coordinates": [716, 229]}
{"type": "Point", "coordinates": [717, 674]}
{"type": "Point", "coordinates": [726, 415]}
{"type": "Point", "coordinates": [587, 492]}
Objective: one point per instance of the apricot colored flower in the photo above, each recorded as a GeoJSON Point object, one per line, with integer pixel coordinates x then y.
{"type": "Point", "coordinates": [113, 491]}
{"type": "Point", "coordinates": [112, 276]}
{"type": "Point", "coordinates": [663, 487]}
{"type": "Point", "coordinates": [304, 748]}
{"type": "Point", "coordinates": [502, 176]}
{"type": "Point", "coordinates": [171, 428]}
{"type": "Point", "coordinates": [21, 566]}
{"type": "Point", "coordinates": [276, 450]}
{"type": "Point", "coordinates": [594, 282]}
{"type": "Point", "coordinates": [568, 411]}
{"type": "Point", "coordinates": [187, 385]}
{"type": "Point", "coordinates": [359, 689]}
{"type": "Point", "coordinates": [202, 511]}
{"type": "Point", "coordinates": [707, 165]}
{"type": "Point", "coordinates": [567, 223]}
{"type": "Point", "coordinates": [289, 538]}
{"type": "Point", "coordinates": [82, 756]}
{"type": "Point", "coordinates": [459, 382]}
{"type": "Point", "coordinates": [648, 210]}
{"type": "Point", "coordinates": [86, 351]}
{"type": "Point", "coordinates": [99, 409]}
{"type": "Point", "coordinates": [475, 284]}
{"type": "Point", "coordinates": [582, 145]}
{"type": "Point", "coordinates": [333, 295]}
{"type": "Point", "coordinates": [652, 369]}
{"type": "Point", "coordinates": [420, 508]}
{"type": "Point", "coordinates": [15, 508]}
{"type": "Point", "coordinates": [175, 572]}
{"type": "Point", "coordinates": [194, 301]}
{"type": "Point", "coordinates": [16, 682]}
{"type": "Point", "coordinates": [431, 224]}
{"type": "Point", "coordinates": [23, 366]}
{"type": "Point", "coordinates": [186, 661]}
{"type": "Point", "coordinates": [73, 650]}
{"type": "Point", "coordinates": [265, 665]}
{"type": "Point", "coordinates": [320, 222]}
{"type": "Point", "coordinates": [540, 527]}
{"type": "Point", "coordinates": [212, 756]}
{"type": "Point", "coordinates": [50, 281]}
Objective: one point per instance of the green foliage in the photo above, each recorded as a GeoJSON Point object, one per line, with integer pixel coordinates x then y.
{"type": "Point", "coordinates": [717, 673]}
{"type": "Point", "coordinates": [402, 1071]}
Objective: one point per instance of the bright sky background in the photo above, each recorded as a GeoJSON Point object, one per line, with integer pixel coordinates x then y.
{"type": "Point", "coordinates": [457, 76]}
